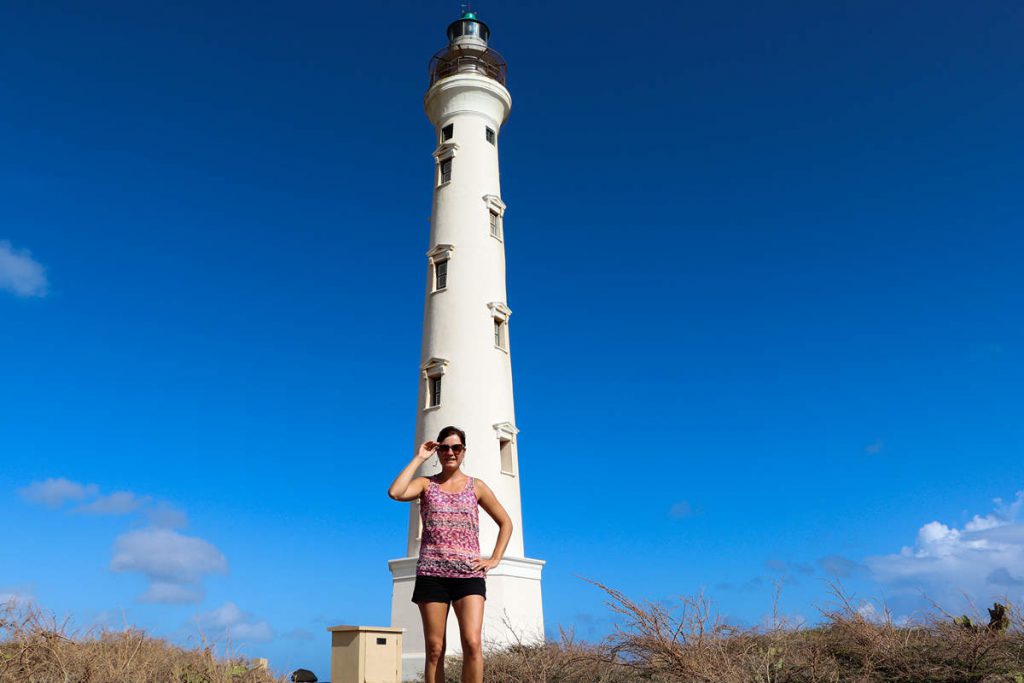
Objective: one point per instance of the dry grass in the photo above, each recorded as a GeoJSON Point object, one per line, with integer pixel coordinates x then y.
{"type": "Point", "coordinates": [37, 648]}
{"type": "Point", "coordinates": [567, 660]}
{"type": "Point", "coordinates": [687, 642]}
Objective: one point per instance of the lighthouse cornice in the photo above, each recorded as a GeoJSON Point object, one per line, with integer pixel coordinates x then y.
{"type": "Point", "coordinates": [467, 92]}
{"type": "Point", "coordinates": [435, 367]}
{"type": "Point", "coordinates": [506, 430]}
{"type": "Point", "coordinates": [494, 202]}
{"type": "Point", "coordinates": [500, 310]}
{"type": "Point", "coordinates": [439, 252]}
{"type": "Point", "coordinates": [446, 150]}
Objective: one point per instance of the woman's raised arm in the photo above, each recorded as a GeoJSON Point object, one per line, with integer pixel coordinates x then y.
{"type": "Point", "coordinates": [405, 487]}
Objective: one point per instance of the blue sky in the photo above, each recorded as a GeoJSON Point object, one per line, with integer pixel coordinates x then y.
{"type": "Point", "coordinates": [764, 262]}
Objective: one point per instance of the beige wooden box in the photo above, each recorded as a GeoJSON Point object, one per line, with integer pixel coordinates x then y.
{"type": "Point", "coordinates": [366, 654]}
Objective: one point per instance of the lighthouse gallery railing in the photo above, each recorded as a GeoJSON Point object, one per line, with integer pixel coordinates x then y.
{"type": "Point", "coordinates": [451, 61]}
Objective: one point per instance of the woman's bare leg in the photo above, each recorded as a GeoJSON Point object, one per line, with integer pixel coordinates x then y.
{"type": "Point", "coordinates": [435, 619]}
{"type": "Point", "coordinates": [470, 613]}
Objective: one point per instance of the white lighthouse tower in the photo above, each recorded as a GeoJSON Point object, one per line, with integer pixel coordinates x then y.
{"type": "Point", "coordinates": [466, 367]}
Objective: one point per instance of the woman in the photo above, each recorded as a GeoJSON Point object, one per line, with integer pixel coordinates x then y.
{"type": "Point", "coordinates": [450, 570]}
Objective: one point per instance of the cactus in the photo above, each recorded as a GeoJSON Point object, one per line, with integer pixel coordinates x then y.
{"type": "Point", "coordinates": [998, 618]}
{"type": "Point", "coordinates": [964, 621]}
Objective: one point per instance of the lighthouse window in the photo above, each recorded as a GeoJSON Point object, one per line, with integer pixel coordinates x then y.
{"type": "Point", "coordinates": [505, 448]}
{"type": "Point", "coordinates": [495, 224]}
{"type": "Point", "coordinates": [490, 136]}
{"type": "Point", "coordinates": [495, 214]}
{"type": "Point", "coordinates": [433, 372]}
{"type": "Point", "coordinates": [447, 132]}
{"type": "Point", "coordinates": [466, 28]}
{"type": "Point", "coordinates": [435, 392]}
{"type": "Point", "coordinates": [446, 171]}
{"type": "Point", "coordinates": [440, 275]}
{"type": "Point", "coordinates": [500, 334]}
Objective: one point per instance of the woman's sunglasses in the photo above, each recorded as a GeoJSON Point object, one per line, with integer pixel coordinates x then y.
{"type": "Point", "coordinates": [456, 449]}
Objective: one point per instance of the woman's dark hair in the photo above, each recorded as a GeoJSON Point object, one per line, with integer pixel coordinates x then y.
{"type": "Point", "coordinates": [448, 431]}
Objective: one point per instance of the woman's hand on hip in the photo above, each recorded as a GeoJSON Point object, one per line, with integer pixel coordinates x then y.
{"type": "Point", "coordinates": [485, 563]}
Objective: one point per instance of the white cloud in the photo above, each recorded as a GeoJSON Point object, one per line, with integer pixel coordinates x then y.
{"type": "Point", "coordinates": [868, 611]}
{"type": "Point", "coordinates": [56, 492]}
{"type": "Point", "coordinates": [20, 274]}
{"type": "Point", "coordinates": [117, 503]}
{"type": "Point", "coordinates": [174, 563]}
{"type": "Point", "coordinates": [984, 559]}
{"type": "Point", "coordinates": [228, 622]}
{"type": "Point", "coordinates": [165, 554]}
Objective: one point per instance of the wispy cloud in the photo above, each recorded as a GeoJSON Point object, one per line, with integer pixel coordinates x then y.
{"type": "Point", "coordinates": [783, 567]}
{"type": "Point", "coordinates": [875, 447]}
{"type": "Point", "coordinates": [21, 274]}
{"type": "Point", "coordinates": [117, 503]}
{"type": "Point", "coordinates": [754, 584]}
{"type": "Point", "coordinates": [166, 516]}
{"type": "Point", "coordinates": [984, 559]}
{"type": "Point", "coordinates": [169, 593]}
{"type": "Point", "coordinates": [56, 492]}
{"type": "Point", "coordinates": [838, 566]}
{"type": "Point", "coordinates": [174, 563]}
{"type": "Point", "coordinates": [229, 622]}
{"type": "Point", "coordinates": [682, 509]}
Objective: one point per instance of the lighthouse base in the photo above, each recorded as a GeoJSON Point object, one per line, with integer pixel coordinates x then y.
{"type": "Point", "coordinates": [512, 613]}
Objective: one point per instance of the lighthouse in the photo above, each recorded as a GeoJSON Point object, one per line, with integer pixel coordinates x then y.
{"type": "Point", "coordinates": [465, 373]}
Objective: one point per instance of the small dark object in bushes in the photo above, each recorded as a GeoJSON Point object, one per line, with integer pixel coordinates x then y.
{"type": "Point", "coordinates": [303, 676]}
{"type": "Point", "coordinates": [964, 621]}
{"type": "Point", "coordinates": [998, 619]}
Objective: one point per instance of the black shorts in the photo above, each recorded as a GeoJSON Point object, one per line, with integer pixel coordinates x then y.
{"type": "Point", "coordinates": [447, 589]}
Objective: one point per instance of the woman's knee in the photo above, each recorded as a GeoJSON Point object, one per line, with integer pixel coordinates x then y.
{"type": "Point", "coordinates": [435, 650]}
{"type": "Point", "coordinates": [471, 646]}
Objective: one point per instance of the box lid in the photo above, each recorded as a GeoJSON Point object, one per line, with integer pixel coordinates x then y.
{"type": "Point", "coordinates": [366, 629]}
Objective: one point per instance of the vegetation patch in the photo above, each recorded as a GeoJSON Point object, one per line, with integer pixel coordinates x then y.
{"type": "Point", "coordinates": [36, 648]}
{"type": "Point", "coordinates": [687, 642]}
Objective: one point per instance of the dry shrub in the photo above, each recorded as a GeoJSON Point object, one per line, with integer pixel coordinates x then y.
{"type": "Point", "coordinates": [932, 648]}
{"type": "Point", "coordinates": [36, 648]}
{"type": "Point", "coordinates": [567, 660]}
{"type": "Point", "coordinates": [688, 642]}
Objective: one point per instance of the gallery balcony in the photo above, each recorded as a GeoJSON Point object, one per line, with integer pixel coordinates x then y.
{"type": "Point", "coordinates": [458, 60]}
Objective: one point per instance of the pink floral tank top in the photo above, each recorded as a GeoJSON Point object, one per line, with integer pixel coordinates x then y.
{"type": "Point", "coordinates": [451, 532]}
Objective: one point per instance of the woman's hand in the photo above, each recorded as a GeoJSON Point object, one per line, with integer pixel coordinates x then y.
{"type": "Point", "coordinates": [427, 449]}
{"type": "Point", "coordinates": [485, 563]}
